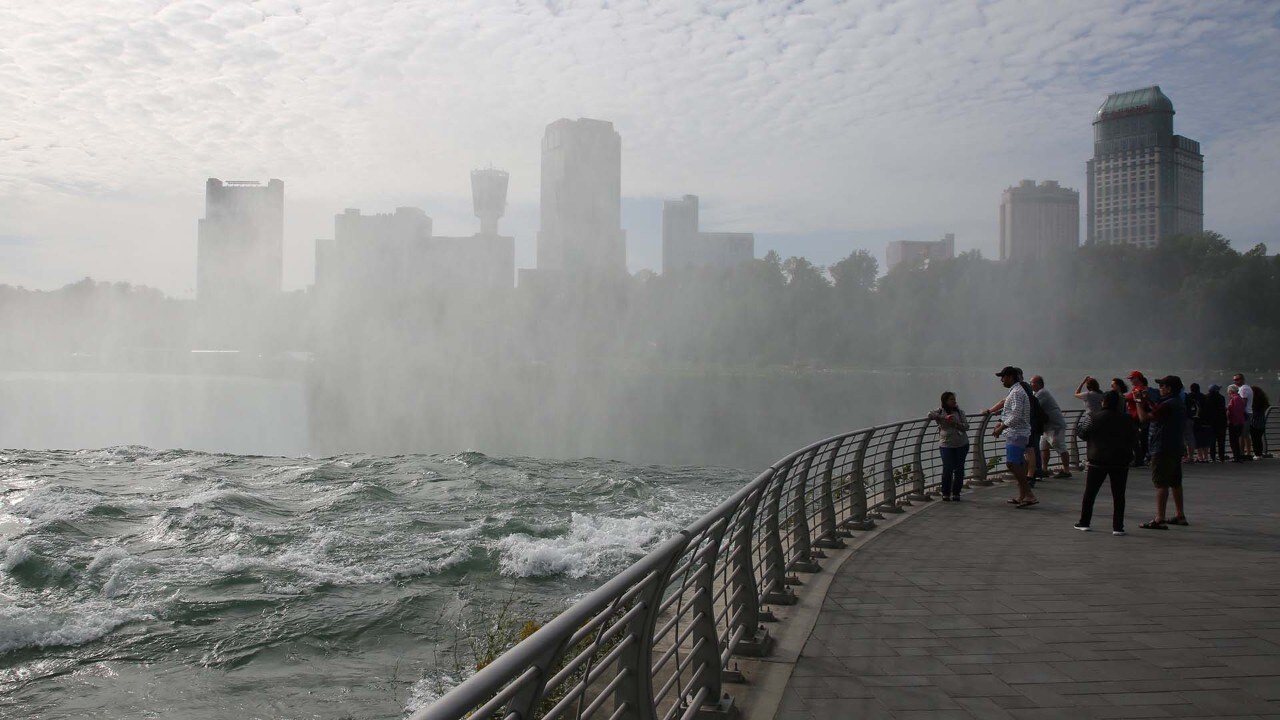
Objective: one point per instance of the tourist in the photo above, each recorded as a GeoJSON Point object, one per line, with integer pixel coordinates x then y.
{"type": "Point", "coordinates": [1215, 413]}
{"type": "Point", "coordinates": [1142, 448]}
{"type": "Point", "coordinates": [1246, 393]}
{"type": "Point", "coordinates": [1165, 417]}
{"type": "Point", "coordinates": [1235, 421]}
{"type": "Point", "coordinates": [1109, 433]}
{"type": "Point", "coordinates": [1201, 431]}
{"type": "Point", "coordinates": [1189, 425]}
{"type": "Point", "coordinates": [1015, 426]}
{"type": "Point", "coordinates": [953, 444]}
{"type": "Point", "coordinates": [1055, 429]}
{"type": "Point", "coordinates": [1258, 423]}
{"type": "Point", "coordinates": [1089, 393]}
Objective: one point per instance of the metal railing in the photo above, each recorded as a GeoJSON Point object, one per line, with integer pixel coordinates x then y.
{"type": "Point", "coordinates": [655, 641]}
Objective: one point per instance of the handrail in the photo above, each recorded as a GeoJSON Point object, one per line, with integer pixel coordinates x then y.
{"type": "Point", "coordinates": [654, 642]}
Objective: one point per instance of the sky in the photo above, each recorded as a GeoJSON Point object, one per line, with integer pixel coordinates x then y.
{"type": "Point", "coordinates": [823, 127]}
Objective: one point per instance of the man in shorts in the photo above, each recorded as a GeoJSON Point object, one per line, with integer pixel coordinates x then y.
{"type": "Point", "coordinates": [1055, 429]}
{"type": "Point", "coordinates": [1015, 426]}
{"type": "Point", "coordinates": [1167, 416]}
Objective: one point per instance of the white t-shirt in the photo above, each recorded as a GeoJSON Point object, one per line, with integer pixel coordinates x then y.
{"type": "Point", "coordinates": [1246, 392]}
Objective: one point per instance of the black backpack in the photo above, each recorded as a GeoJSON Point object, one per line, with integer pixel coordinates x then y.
{"type": "Point", "coordinates": [1038, 416]}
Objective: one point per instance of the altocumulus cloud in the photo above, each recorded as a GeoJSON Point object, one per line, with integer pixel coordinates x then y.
{"type": "Point", "coordinates": [791, 117]}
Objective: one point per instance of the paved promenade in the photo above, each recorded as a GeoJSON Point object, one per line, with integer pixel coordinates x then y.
{"type": "Point", "coordinates": [980, 610]}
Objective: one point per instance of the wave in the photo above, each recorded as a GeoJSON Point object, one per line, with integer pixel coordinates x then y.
{"type": "Point", "coordinates": [24, 627]}
{"type": "Point", "coordinates": [593, 547]}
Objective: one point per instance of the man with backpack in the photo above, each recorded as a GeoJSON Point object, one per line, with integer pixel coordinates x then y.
{"type": "Point", "coordinates": [1015, 425]}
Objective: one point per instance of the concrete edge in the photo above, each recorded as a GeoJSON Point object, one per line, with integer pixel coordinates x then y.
{"type": "Point", "coordinates": [767, 678]}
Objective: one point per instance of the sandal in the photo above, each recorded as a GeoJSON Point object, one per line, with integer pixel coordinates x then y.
{"type": "Point", "coordinates": [1179, 521]}
{"type": "Point", "coordinates": [1153, 525]}
{"type": "Point", "coordinates": [1028, 503]}
{"type": "Point", "coordinates": [1014, 501]}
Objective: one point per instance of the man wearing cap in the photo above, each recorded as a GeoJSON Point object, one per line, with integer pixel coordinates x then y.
{"type": "Point", "coordinates": [1015, 426]}
{"type": "Point", "coordinates": [1166, 417]}
{"type": "Point", "coordinates": [1142, 451]}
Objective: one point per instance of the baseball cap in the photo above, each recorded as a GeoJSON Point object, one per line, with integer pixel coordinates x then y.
{"type": "Point", "coordinates": [1007, 370]}
{"type": "Point", "coordinates": [1173, 381]}
{"type": "Point", "coordinates": [1135, 373]}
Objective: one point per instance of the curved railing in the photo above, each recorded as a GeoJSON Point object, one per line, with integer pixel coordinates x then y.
{"type": "Point", "coordinates": [655, 641]}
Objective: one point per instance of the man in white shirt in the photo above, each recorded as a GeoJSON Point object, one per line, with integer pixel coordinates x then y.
{"type": "Point", "coordinates": [1015, 426]}
{"type": "Point", "coordinates": [1055, 430]}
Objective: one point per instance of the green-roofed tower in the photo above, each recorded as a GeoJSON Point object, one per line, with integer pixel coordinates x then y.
{"type": "Point", "coordinates": [1144, 182]}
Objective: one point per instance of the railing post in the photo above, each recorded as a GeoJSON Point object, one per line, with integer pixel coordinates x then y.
{"type": "Point", "coordinates": [804, 558]}
{"type": "Point", "coordinates": [719, 704]}
{"type": "Point", "coordinates": [636, 688]}
{"type": "Point", "coordinates": [890, 502]}
{"type": "Point", "coordinates": [1075, 442]}
{"type": "Point", "coordinates": [858, 519]}
{"type": "Point", "coordinates": [979, 465]}
{"type": "Point", "coordinates": [917, 463]}
{"type": "Point", "coordinates": [779, 591]}
{"type": "Point", "coordinates": [526, 701]}
{"type": "Point", "coordinates": [830, 535]}
{"type": "Point", "coordinates": [756, 641]}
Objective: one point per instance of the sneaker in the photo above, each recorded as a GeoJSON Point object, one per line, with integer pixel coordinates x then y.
{"type": "Point", "coordinates": [946, 498]}
{"type": "Point", "coordinates": [1081, 527]}
{"type": "Point", "coordinates": [1118, 533]}
{"type": "Point", "coordinates": [1062, 474]}
{"type": "Point", "coordinates": [955, 498]}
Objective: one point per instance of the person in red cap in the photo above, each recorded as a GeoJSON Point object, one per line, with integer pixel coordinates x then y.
{"type": "Point", "coordinates": [1142, 450]}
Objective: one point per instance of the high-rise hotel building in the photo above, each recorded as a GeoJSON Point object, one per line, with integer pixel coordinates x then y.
{"type": "Point", "coordinates": [581, 212]}
{"type": "Point", "coordinates": [1144, 183]}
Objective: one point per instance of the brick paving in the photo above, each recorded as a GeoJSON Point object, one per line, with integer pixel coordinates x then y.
{"type": "Point", "coordinates": [980, 610]}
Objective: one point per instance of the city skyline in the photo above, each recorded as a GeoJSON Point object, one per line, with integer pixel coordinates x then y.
{"type": "Point", "coordinates": [823, 131]}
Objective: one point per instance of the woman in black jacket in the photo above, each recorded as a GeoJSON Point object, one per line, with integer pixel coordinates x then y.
{"type": "Point", "coordinates": [1110, 433]}
{"type": "Point", "coordinates": [1214, 411]}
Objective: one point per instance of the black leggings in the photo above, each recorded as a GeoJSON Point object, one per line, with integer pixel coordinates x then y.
{"type": "Point", "coordinates": [1093, 480]}
{"type": "Point", "coordinates": [1259, 435]}
{"type": "Point", "coordinates": [1219, 443]}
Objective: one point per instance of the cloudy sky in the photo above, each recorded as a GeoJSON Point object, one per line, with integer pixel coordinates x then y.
{"type": "Point", "coordinates": [822, 126]}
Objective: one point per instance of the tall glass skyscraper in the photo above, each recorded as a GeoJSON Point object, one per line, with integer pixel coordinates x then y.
{"type": "Point", "coordinates": [1144, 183]}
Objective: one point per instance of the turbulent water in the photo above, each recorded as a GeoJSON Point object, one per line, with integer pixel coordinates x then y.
{"type": "Point", "coordinates": [137, 583]}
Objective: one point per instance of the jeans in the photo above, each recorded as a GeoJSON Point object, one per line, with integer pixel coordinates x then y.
{"type": "Point", "coordinates": [953, 469]}
{"type": "Point", "coordinates": [1093, 479]}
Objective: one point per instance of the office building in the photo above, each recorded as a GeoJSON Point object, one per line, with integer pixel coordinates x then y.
{"type": "Point", "coordinates": [684, 246]}
{"type": "Point", "coordinates": [1144, 183]}
{"type": "Point", "coordinates": [580, 233]}
{"type": "Point", "coordinates": [1038, 221]}
{"type": "Point", "coordinates": [919, 252]}
{"type": "Point", "coordinates": [398, 252]}
{"type": "Point", "coordinates": [240, 241]}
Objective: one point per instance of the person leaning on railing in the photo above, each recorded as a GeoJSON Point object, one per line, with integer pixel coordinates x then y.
{"type": "Point", "coordinates": [953, 444]}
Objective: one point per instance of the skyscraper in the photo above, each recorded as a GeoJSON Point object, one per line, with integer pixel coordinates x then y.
{"type": "Point", "coordinates": [240, 245]}
{"type": "Point", "coordinates": [581, 224]}
{"type": "Point", "coordinates": [684, 246]}
{"type": "Point", "coordinates": [1038, 220]}
{"type": "Point", "coordinates": [1144, 183]}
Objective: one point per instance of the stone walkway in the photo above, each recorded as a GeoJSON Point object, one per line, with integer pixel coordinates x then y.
{"type": "Point", "coordinates": [980, 610]}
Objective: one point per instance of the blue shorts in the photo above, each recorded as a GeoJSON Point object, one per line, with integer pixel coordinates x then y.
{"type": "Point", "coordinates": [1015, 452]}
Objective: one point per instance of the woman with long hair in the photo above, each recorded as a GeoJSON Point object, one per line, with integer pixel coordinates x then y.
{"type": "Point", "coordinates": [1258, 423]}
{"type": "Point", "coordinates": [1109, 433]}
{"type": "Point", "coordinates": [953, 444]}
